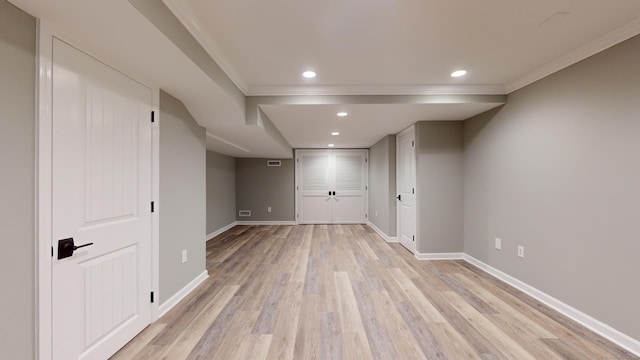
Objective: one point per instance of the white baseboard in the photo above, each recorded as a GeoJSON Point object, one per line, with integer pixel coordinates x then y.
{"type": "Point", "coordinates": [623, 340]}
{"type": "Point", "coordinates": [382, 234]}
{"type": "Point", "coordinates": [221, 230]}
{"type": "Point", "coordinates": [177, 297]}
{"type": "Point", "coordinates": [265, 222]}
{"type": "Point", "coordinates": [439, 256]}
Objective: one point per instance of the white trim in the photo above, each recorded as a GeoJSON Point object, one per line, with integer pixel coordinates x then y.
{"type": "Point", "coordinates": [44, 313]}
{"type": "Point", "coordinates": [613, 335]}
{"type": "Point", "coordinates": [265, 223]}
{"type": "Point", "coordinates": [177, 297]}
{"type": "Point", "coordinates": [384, 236]}
{"type": "Point", "coordinates": [155, 197]}
{"type": "Point", "coordinates": [606, 41]}
{"type": "Point", "coordinates": [451, 89]}
{"type": "Point", "coordinates": [221, 230]}
{"type": "Point", "coordinates": [44, 191]}
{"type": "Point", "coordinates": [439, 256]}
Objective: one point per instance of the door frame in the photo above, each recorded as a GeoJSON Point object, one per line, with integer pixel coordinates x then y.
{"type": "Point", "coordinates": [297, 179]}
{"type": "Point", "coordinates": [411, 128]}
{"type": "Point", "coordinates": [43, 189]}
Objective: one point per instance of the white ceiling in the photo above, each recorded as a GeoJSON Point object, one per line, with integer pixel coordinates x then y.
{"type": "Point", "coordinates": [267, 44]}
{"type": "Point", "coordinates": [310, 126]}
{"type": "Point", "coordinates": [357, 47]}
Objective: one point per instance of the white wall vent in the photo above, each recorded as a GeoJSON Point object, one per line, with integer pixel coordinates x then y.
{"type": "Point", "coordinates": [274, 162]}
{"type": "Point", "coordinates": [244, 213]}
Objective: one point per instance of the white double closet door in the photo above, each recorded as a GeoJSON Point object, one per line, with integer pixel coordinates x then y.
{"type": "Point", "coordinates": [331, 186]}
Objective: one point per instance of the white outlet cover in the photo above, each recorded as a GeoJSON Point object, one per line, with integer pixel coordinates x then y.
{"type": "Point", "coordinates": [498, 244]}
{"type": "Point", "coordinates": [184, 256]}
{"type": "Point", "coordinates": [521, 251]}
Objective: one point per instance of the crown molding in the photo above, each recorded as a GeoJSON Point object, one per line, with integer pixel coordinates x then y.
{"type": "Point", "coordinates": [192, 23]}
{"type": "Point", "coordinates": [606, 41]}
{"type": "Point", "coordinates": [285, 90]}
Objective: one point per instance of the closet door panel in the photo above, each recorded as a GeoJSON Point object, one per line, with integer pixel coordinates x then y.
{"type": "Point", "coordinates": [314, 200]}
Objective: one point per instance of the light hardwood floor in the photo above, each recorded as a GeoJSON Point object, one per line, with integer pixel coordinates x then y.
{"type": "Point", "coordinates": [341, 292]}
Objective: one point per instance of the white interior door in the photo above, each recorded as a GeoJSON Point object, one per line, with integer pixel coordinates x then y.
{"type": "Point", "coordinates": [331, 186]}
{"type": "Point", "coordinates": [349, 201]}
{"type": "Point", "coordinates": [314, 187]}
{"type": "Point", "coordinates": [406, 184]}
{"type": "Point", "coordinates": [101, 196]}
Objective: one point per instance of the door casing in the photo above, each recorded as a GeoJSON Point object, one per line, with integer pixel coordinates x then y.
{"type": "Point", "coordinates": [43, 327]}
{"type": "Point", "coordinates": [297, 180]}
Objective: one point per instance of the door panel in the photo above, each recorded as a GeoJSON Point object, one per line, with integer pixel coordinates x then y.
{"type": "Point", "coordinates": [316, 209]}
{"type": "Point", "coordinates": [406, 183]}
{"type": "Point", "coordinates": [347, 209]}
{"type": "Point", "coordinates": [349, 202]}
{"type": "Point", "coordinates": [101, 195]}
{"type": "Point", "coordinates": [314, 186]}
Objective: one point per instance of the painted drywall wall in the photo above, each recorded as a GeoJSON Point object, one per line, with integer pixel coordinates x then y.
{"type": "Point", "coordinates": [221, 191]}
{"type": "Point", "coordinates": [557, 170]}
{"type": "Point", "coordinates": [17, 194]}
{"type": "Point", "coordinates": [182, 203]}
{"type": "Point", "coordinates": [439, 187]}
{"type": "Point", "coordinates": [382, 185]}
{"type": "Point", "coordinates": [259, 186]}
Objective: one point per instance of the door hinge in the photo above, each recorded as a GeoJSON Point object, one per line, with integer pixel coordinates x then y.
{"type": "Point", "coordinates": [297, 187]}
{"type": "Point", "coordinates": [366, 160]}
{"type": "Point", "coordinates": [297, 216]}
{"type": "Point", "coordinates": [413, 190]}
{"type": "Point", "coordinates": [413, 237]}
{"type": "Point", "coordinates": [51, 251]}
{"type": "Point", "coordinates": [153, 208]}
{"type": "Point", "coordinates": [366, 188]}
{"type": "Point", "coordinates": [152, 297]}
{"type": "Point", "coordinates": [297, 160]}
{"type": "Point", "coordinates": [366, 215]}
{"type": "Point", "coordinates": [413, 144]}
{"type": "Point", "coordinates": [153, 116]}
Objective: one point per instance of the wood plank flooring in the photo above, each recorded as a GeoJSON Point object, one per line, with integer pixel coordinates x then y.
{"type": "Point", "coordinates": [341, 292]}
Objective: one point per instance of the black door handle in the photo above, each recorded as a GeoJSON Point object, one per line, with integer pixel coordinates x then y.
{"type": "Point", "coordinates": [66, 247]}
{"type": "Point", "coordinates": [334, 193]}
{"type": "Point", "coordinates": [399, 197]}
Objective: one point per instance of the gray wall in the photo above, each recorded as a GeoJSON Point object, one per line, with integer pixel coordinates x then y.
{"type": "Point", "coordinates": [182, 201]}
{"type": "Point", "coordinates": [439, 182]}
{"type": "Point", "coordinates": [259, 186]}
{"type": "Point", "coordinates": [221, 191]}
{"type": "Point", "coordinates": [17, 193]}
{"type": "Point", "coordinates": [557, 170]}
{"type": "Point", "coordinates": [382, 185]}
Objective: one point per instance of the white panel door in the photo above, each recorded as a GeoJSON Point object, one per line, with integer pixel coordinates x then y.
{"type": "Point", "coordinates": [314, 187]}
{"type": "Point", "coordinates": [406, 184]}
{"type": "Point", "coordinates": [101, 196]}
{"type": "Point", "coordinates": [349, 200]}
{"type": "Point", "coordinates": [331, 186]}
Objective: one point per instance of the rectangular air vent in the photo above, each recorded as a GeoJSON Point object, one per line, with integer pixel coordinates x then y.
{"type": "Point", "coordinates": [274, 162]}
{"type": "Point", "coordinates": [244, 213]}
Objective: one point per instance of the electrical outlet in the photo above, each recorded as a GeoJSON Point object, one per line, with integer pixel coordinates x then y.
{"type": "Point", "coordinates": [498, 244]}
{"type": "Point", "coordinates": [376, 213]}
{"type": "Point", "coordinates": [521, 251]}
{"type": "Point", "coordinates": [268, 209]}
{"type": "Point", "coordinates": [184, 256]}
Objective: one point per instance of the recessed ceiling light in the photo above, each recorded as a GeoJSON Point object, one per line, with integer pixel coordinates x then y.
{"type": "Point", "coordinates": [342, 114]}
{"type": "Point", "coordinates": [309, 74]}
{"type": "Point", "coordinates": [459, 73]}
{"type": "Point", "coordinates": [330, 145]}
{"type": "Point", "coordinates": [335, 133]}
